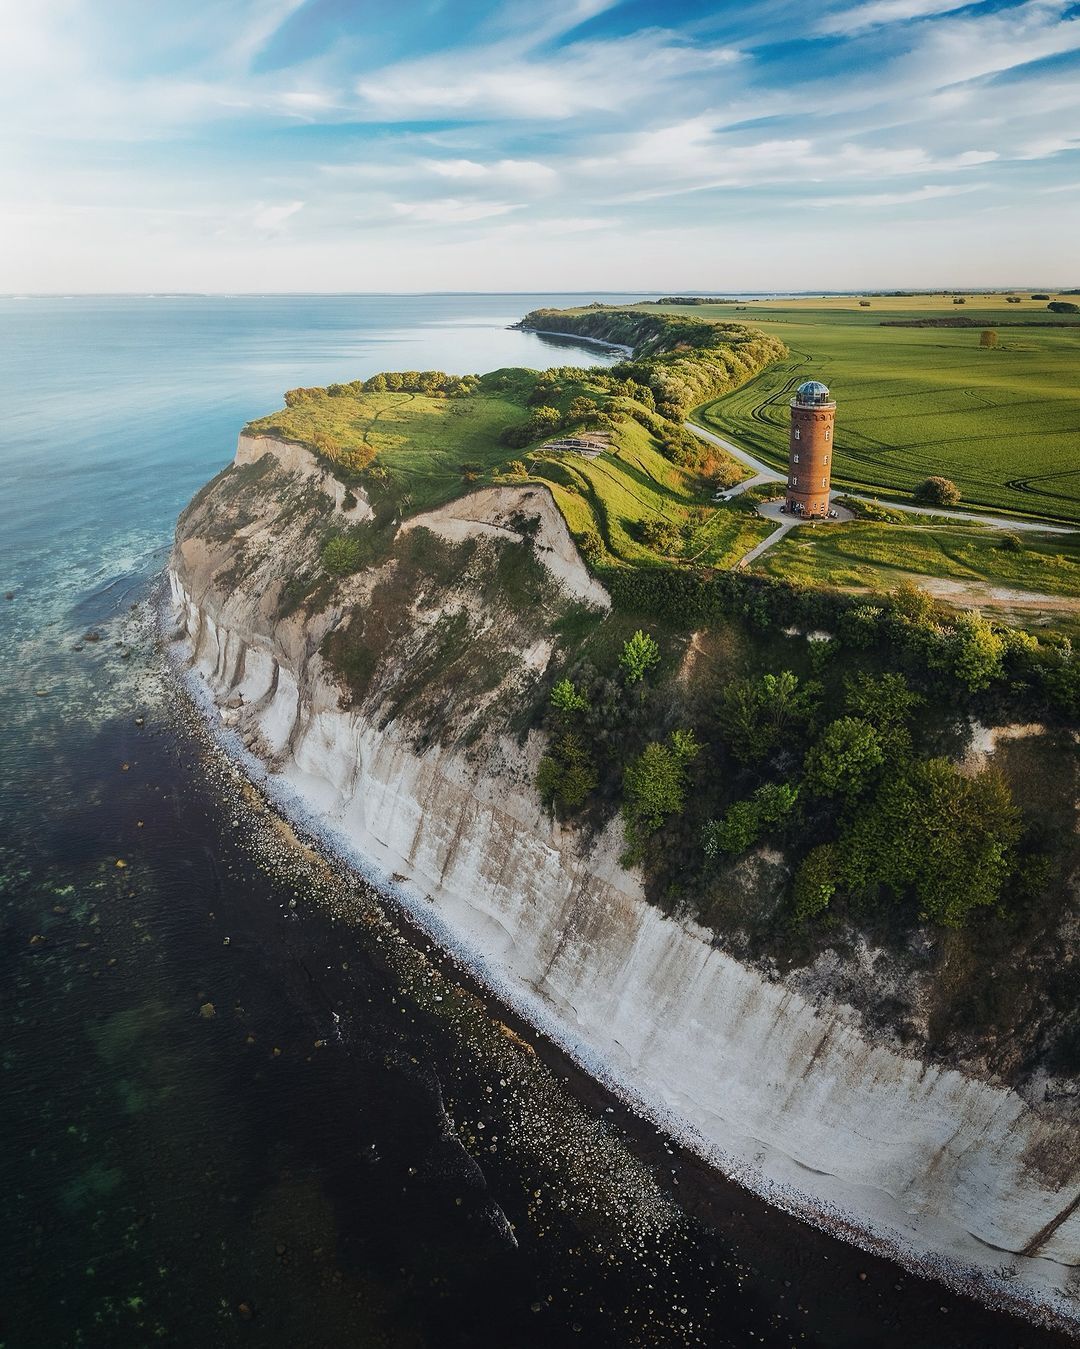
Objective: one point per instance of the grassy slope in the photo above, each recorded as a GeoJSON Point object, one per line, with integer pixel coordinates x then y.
{"type": "Point", "coordinates": [423, 441]}
{"type": "Point", "coordinates": [865, 553]}
{"type": "Point", "coordinates": [915, 401]}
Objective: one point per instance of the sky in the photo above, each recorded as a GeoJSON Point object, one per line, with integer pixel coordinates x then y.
{"type": "Point", "coordinates": [583, 145]}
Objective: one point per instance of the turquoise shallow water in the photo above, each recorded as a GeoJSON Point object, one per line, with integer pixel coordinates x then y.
{"type": "Point", "coordinates": [237, 1107]}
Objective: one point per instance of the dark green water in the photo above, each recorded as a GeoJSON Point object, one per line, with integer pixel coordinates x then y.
{"type": "Point", "coordinates": [240, 1104]}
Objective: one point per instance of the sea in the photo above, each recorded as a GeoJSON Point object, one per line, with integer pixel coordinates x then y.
{"type": "Point", "coordinates": [242, 1102]}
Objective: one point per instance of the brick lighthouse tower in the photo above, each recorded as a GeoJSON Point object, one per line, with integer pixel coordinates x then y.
{"type": "Point", "coordinates": [810, 450]}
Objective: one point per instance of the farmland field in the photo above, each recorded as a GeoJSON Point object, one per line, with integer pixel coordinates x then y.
{"type": "Point", "coordinates": [1003, 423]}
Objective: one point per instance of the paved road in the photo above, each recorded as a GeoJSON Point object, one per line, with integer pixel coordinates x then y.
{"type": "Point", "coordinates": [766, 473]}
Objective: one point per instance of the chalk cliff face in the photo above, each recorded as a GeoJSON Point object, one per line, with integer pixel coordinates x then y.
{"type": "Point", "coordinates": [792, 1096]}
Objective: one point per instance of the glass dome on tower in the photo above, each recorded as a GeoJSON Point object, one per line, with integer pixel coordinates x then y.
{"type": "Point", "coordinates": [812, 393]}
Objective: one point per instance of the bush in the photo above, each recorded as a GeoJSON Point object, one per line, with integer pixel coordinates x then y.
{"type": "Point", "coordinates": [566, 698]}
{"type": "Point", "coordinates": [815, 881]}
{"type": "Point", "coordinates": [1063, 307]}
{"type": "Point", "coordinates": [1040, 297]}
{"type": "Point", "coordinates": [342, 554]}
{"type": "Point", "coordinates": [1011, 543]}
{"type": "Point", "coordinates": [662, 536]}
{"type": "Point", "coordinates": [937, 491]}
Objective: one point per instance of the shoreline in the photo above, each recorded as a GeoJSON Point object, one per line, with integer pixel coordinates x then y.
{"type": "Point", "coordinates": [993, 1290]}
{"type": "Point", "coordinates": [576, 337]}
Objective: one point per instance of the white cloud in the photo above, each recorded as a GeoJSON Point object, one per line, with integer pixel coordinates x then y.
{"type": "Point", "coordinates": [881, 12]}
{"type": "Point", "coordinates": [451, 210]}
{"type": "Point", "coordinates": [877, 199]}
{"type": "Point", "coordinates": [270, 219]}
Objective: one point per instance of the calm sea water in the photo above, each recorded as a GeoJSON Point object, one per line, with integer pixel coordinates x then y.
{"type": "Point", "coordinates": [239, 1104]}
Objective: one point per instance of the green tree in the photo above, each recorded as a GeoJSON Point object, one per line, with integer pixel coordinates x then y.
{"type": "Point", "coordinates": [638, 656]}
{"type": "Point", "coordinates": [566, 775]}
{"type": "Point", "coordinates": [946, 837]}
{"type": "Point", "coordinates": [976, 651]}
{"type": "Point", "coordinates": [758, 715]}
{"type": "Point", "coordinates": [545, 420]}
{"type": "Point", "coordinates": [582, 411]}
{"type": "Point", "coordinates": [1063, 307]}
{"type": "Point", "coordinates": [815, 881]}
{"type": "Point", "coordinates": [885, 703]}
{"type": "Point", "coordinates": [654, 784]}
{"type": "Point", "coordinates": [845, 759]}
{"type": "Point", "coordinates": [566, 698]}
{"type": "Point", "coordinates": [936, 491]}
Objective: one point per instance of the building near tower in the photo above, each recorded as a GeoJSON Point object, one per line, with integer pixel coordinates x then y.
{"type": "Point", "coordinates": [810, 450]}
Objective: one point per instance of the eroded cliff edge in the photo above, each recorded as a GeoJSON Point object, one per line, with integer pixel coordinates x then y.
{"type": "Point", "coordinates": [421, 761]}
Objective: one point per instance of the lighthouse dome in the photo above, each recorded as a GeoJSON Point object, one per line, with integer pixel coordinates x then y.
{"type": "Point", "coordinates": [813, 391]}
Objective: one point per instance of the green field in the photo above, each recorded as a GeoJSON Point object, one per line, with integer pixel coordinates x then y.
{"type": "Point", "coordinates": [422, 440]}
{"type": "Point", "coordinates": [435, 448]}
{"type": "Point", "coordinates": [965, 565]}
{"type": "Point", "coordinates": [1003, 423]}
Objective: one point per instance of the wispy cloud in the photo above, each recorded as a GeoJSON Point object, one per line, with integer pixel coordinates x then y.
{"type": "Point", "coordinates": [248, 133]}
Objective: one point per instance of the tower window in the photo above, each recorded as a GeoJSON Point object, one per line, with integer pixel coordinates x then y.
{"type": "Point", "coordinates": [828, 432]}
{"type": "Point", "coordinates": [826, 459]}
{"type": "Point", "coordinates": [796, 433]}
{"type": "Point", "coordinates": [824, 482]}
{"type": "Point", "coordinates": [794, 482]}
{"type": "Point", "coordinates": [794, 458]}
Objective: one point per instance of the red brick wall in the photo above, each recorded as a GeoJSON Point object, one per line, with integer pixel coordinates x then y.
{"type": "Point", "coordinates": [810, 455]}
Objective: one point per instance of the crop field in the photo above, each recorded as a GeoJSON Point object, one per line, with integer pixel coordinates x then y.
{"type": "Point", "coordinates": [1003, 422]}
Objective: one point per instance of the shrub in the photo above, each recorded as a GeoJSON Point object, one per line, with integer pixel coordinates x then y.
{"type": "Point", "coordinates": [1011, 543]}
{"type": "Point", "coordinates": [341, 554]}
{"type": "Point", "coordinates": [662, 536]}
{"type": "Point", "coordinates": [937, 491]}
{"type": "Point", "coordinates": [1063, 307]}
{"type": "Point", "coordinates": [815, 881]}
{"type": "Point", "coordinates": [517, 469]}
{"type": "Point", "coordinates": [591, 545]}
{"type": "Point", "coordinates": [745, 821]}
{"type": "Point", "coordinates": [1040, 297]}
{"type": "Point", "coordinates": [566, 698]}
{"type": "Point", "coordinates": [638, 656]}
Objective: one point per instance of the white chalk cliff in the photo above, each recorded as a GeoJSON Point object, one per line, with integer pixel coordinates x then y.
{"type": "Point", "coordinates": [794, 1097]}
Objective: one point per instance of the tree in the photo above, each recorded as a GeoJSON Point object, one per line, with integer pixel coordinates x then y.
{"type": "Point", "coordinates": [884, 702]}
{"type": "Point", "coordinates": [582, 411]}
{"type": "Point", "coordinates": [654, 784]}
{"type": "Point", "coordinates": [639, 655]}
{"type": "Point", "coordinates": [937, 491]}
{"type": "Point", "coordinates": [566, 698]}
{"type": "Point", "coordinates": [845, 758]}
{"type": "Point", "coordinates": [976, 650]}
{"type": "Point", "coordinates": [1063, 307]}
{"type": "Point", "coordinates": [946, 837]}
{"type": "Point", "coordinates": [815, 881]}
{"type": "Point", "coordinates": [545, 420]}
{"type": "Point", "coordinates": [341, 554]}
{"type": "Point", "coordinates": [988, 338]}
{"type": "Point", "coordinates": [756, 715]}
{"type": "Point", "coordinates": [567, 775]}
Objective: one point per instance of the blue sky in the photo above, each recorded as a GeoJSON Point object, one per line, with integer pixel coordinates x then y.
{"type": "Point", "coordinates": [234, 145]}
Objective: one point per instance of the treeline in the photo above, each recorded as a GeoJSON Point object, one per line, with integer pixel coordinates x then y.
{"type": "Point", "coordinates": [684, 361]}
{"type": "Point", "coordinates": [958, 654]}
{"type": "Point", "coordinates": [970, 321]}
{"type": "Point", "coordinates": [432, 382]}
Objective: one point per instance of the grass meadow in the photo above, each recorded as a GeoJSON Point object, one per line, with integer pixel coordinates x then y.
{"type": "Point", "coordinates": [1003, 423]}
